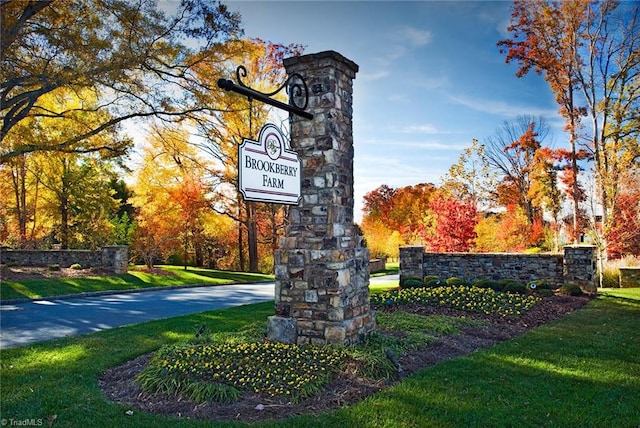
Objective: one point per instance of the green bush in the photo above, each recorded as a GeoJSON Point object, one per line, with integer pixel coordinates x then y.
{"type": "Point", "coordinates": [512, 286]}
{"type": "Point", "coordinates": [54, 267]}
{"type": "Point", "coordinates": [409, 278]}
{"type": "Point", "coordinates": [75, 266]}
{"type": "Point", "coordinates": [570, 289]}
{"type": "Point", "coordinates": [454, 281]}
{"type": "Point", "coordinates": [432, 281]}
{"type": "Point", "coordinates": [412, 283]}
{"type": "Point", "coordinates": [541, 284]}
{"type": "Point", "coordinates": [487, 283]}
{"type": "Point", "coordinates": [611, 278]}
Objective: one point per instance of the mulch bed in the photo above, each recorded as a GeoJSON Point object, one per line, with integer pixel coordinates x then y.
{"type": "Point", "coordinates": [119, 386]}
{"type": "Point", "coordinates": [14, 273]}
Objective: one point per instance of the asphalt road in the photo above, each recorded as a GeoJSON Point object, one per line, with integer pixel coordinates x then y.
{"type": "Point", "coordinates": [36, 321]}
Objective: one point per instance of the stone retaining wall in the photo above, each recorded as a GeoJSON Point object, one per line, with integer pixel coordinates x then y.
{"type": "Point", "coordinates": [629, 277]}
{"type": "Point", "coordinates": [577, 264]}
{"type": "Point", "coordinates": [377, 264]}
{"type": "Point", "coordinates": [113, 258]}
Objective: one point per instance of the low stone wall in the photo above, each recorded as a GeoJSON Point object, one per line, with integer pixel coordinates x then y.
{"type": "Point", "coordinates": [113, 258]}
{"type": "Point", "coordinates": [629, 277]}
{"type": "Point", "coordinates": [577, 264]}
{"type": "Point", "coordinates": [377, 264]}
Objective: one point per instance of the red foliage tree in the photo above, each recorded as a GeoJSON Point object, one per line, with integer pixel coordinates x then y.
{"type": "Point", "coordinates": [624, 234]}
{"type": "Point", "coordinates": [451, 225]}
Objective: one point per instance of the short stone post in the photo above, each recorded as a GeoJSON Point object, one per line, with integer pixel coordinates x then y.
{"type": "Point", "coordinates": [411, 261]}
{"type": "Point", "coordinates": [321, 266]}
{"type": "Point", "coordinates": [115, 258]}
{"type": "Point", "coordinates": [579, 266]}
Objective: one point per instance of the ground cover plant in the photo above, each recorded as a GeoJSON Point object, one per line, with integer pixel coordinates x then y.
{"type": "Point", "coordinates": [36, 283]}
{"type": "Point", "coordinates": [473, 299]}
{"type": "Point", "coordinates": [581, 370]}
{"type": "Point", "coordinates": [220, 368]}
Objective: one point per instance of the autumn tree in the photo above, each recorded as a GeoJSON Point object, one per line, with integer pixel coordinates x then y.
{"type": "Point", "coordinates": [504, 232]}
{"type": "Point", "coordinates": [168, 191]}
{"type": "Point", "coordinates": [545, 191]}
{"type": "Point", "coordinates": [623, 236]}
{"type": "Point", "coordinates": [136, 58]}
{"type": "Point", "coordinates": [400, 210]}
{"type": "Point", "coordinates": [40, 178]}
{"type": "Point", "coordinates": [238, 119]}
{"type": "Point", "coordinates": [587, 50]}
{"type": "Point", "coordinates": [471, 176]}
{"type": "Point", "coordinates": [511, 153]}
{"type": "Point", "coordinates": [450, 224]}
{"type": "Point", "coordinates": [545, 40]}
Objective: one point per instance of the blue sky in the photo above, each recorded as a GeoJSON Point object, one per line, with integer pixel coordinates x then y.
{"type": "Point", "coordinates": [431, 78]}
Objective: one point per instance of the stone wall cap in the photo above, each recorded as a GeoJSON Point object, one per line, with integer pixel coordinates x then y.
{"type": "Point", "coordinates": [318, 56]}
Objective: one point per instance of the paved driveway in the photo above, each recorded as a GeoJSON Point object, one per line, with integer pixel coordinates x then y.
{"type": "Point", "coordinates": [36, 321]}
{"type": "Point", "coordinates": [30, 322]}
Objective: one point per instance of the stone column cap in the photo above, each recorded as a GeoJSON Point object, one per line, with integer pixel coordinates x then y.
{"type": "Point", "coordinates": [316, 57]}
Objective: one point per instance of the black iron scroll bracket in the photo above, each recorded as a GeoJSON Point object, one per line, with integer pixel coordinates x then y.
{"type": "Point", "coordinates": [298, 90]}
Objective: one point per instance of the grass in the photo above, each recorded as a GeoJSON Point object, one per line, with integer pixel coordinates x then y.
{"type": "Point", "coordinates": [390, 269]}
{"type": "Point", "coordinates": [133, 280]}
{"type": "Point", "coordinates": [136, 279]}
{"type": "Point", "coordinates": [580, 371]}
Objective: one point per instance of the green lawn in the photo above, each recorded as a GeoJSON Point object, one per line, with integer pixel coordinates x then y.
{"type": "Point", "coordinates": [134, 279]}
{"type": "Point", "coordinates": [581, 371]}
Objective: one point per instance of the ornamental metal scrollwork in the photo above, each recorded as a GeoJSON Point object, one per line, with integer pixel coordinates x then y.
{"type": "Point", "coordinates": [295, 86]}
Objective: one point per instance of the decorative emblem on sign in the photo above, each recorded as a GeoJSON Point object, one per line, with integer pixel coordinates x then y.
{"type": "Point", "coordinates": [268, 170]}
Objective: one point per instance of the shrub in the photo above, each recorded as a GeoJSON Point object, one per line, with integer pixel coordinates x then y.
{"type": "Point", "coordinates": [412, 283]}
{"type": "Point", "coordinates": [54, 267]}
{"type": "Point", "coordinates": [533, 250]}
{"type": "Point", "coordinates": [432, 281]}
{"type": "Point", "coordinates": [541, 284]}
{"type": "Point", "coordinates": [611, 277]}
{"type": "Point", "coordinates": [409, 278]}
{"type": "Point", "coordinates": [75, 266]}
{"type": "Point", "coordinates": [570, 289]}
{"type": "Point", "coordinates": [512, 286]}
{"type": "Point", "coordinates": [487, 283]}
{"type": "Point", "coordinates": [454, 281]}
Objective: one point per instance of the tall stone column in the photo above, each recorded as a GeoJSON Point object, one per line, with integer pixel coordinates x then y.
{"type": "Point", "coordinates": [321, 266]}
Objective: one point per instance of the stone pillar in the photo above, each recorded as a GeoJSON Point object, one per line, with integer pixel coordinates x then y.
{"type": "Point", "coordinates": [321, 266]}
{"type": "Point", "coordinates": [411, 261]}
{"type": "Point", "coordinates": [579, 266]}
{"type": "Point", "coordinates": [115, 258]}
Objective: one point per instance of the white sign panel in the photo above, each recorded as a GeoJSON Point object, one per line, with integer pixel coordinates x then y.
{"type": "Point", "coordinates": [269, 171]}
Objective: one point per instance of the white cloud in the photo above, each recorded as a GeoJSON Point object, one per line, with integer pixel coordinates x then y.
{"type": "Point", "coordinates": [501, 108]}
{"type": "Point", "coordinates": [374, 75]}
{"type": "Point", "coordinates": [414, 36]}
{"type": "Point", "coordinates": [419, 129]}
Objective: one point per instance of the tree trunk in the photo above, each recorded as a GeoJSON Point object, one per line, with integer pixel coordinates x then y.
{"type": "Point", "coordinates": [18, 175]}
{"type": "Point", "coordinates": [240, 247]}
{"type": "Point", "coordinates": [64, 206]}
{"type": "Point", "coordinates": [252, 237]}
